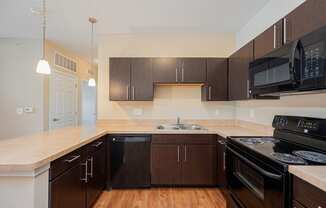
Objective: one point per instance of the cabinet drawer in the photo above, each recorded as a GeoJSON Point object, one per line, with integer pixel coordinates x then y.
{"type": "Point", "coordinates": [184, 139]}
{"type": "Point", "coordinates": [307, 194]}
{"type": "Point", "coordinates": [96, 145]}
{"type": "Point", "coordinates": [59, 166]}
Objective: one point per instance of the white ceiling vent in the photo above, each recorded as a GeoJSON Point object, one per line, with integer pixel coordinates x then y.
{"type": "Point", "coordinates": [65, 62]}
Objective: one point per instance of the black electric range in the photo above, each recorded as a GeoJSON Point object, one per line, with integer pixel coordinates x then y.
{"type": "Point", "coordinates": [257, 167]}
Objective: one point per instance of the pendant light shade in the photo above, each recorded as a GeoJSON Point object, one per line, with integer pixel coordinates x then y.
{"type": "Point", "coordinates": [43, 67]}
{"type": "Point", "coordinates": [91, 82]}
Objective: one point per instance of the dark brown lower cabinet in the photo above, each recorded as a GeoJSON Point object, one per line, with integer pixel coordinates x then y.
{"type": "Point", "coordinates": [97, 175]}
{"type": "Point", "coordinates": [77, 179]}
{"type": "Point", "coordinates": [221, 174]}
{"type": "Point", "coordinates": [306, 195]}
{"type": "Point", "coordinates": [165, 165]}
{"type": "Point", "coordinates": [67, 190]}
{"type": "Point", "coordinates": [184, 160]}
{"type": "Point", "coordinates": [199, 165]}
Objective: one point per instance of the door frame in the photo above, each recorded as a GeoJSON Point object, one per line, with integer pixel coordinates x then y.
{"type": "Point", "coordinates": [76, 99]}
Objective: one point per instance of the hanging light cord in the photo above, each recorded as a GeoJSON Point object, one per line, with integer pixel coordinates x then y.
{"type": "Point", "coordinates": [43, 28]}
{"type": "Point", "coordinates": [92, 47]}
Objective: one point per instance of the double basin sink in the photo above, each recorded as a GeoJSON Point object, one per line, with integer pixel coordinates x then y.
{"type": "Point", "coordinates": [180, 127]}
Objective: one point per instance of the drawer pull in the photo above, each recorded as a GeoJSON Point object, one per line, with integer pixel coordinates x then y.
{"type": "Point", "coordinates": [99, 144]}
{"type": "Point", "coordinates": [73, 158]}
{"type": "Point", "coordinates": [91, 160]}
{"type": "Point", "coordinates": [221, 142]}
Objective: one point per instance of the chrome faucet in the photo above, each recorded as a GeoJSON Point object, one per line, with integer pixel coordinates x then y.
{"type": "Point", "coordinates": [178, 120]}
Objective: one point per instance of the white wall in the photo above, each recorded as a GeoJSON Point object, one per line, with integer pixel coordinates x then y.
{"type": "Point", "coordinates": [169, 101]}
{"type": "Point", "coordinates": [20, 86]}
{"type": "Point", "coordinates": [263, 111]}
{"type": "Point", "coordinates": [270, 14]}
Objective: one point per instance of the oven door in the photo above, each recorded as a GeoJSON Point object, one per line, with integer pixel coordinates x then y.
{"type": "Point", "coordinates": [252, 183]}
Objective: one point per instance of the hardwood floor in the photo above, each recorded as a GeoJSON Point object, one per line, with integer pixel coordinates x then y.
{"type": "Point", "coordinates": [162, 198]}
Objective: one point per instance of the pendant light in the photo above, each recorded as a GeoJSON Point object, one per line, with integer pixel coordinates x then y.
{"type": "Point", "coordinates": [43, 66]}
{"type": "Point", "coordinates": [91, 81]}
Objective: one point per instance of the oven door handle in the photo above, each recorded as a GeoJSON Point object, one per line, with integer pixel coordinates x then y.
{"type": "Point", "coordinates": [256, 167]}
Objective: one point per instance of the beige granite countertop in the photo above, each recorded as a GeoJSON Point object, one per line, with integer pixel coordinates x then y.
{"type": "Point", "coordinates": [28, 153]}
{"type": "Point", "coordinates": [315, 175]}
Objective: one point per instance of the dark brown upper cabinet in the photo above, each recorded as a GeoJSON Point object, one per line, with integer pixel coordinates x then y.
{"type": "Point", "coordinates": [216, 85]}
{"type": "Point", "coordinates": [131, 79]}
{"type": "Point", "coordinates": [192, 70]}
{"type": "Point", "coordinates": [308, 17]}
{"type": "Point", "coordinates": [179, 70]}
{"type": "Point", "coordinates": [119, 86]}
{"type": "Point", "coordinates": [166, 70]}
{"type": "Point", "coordinates": [269, 40]}
{"type": "Point", "coordinates": [239, 72]}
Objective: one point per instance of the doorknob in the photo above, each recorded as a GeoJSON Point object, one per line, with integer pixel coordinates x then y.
{"type": "Point", "coordinates": [55, 119]}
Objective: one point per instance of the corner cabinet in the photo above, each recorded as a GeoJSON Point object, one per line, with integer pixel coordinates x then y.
{"type": "Point", "coordinates": [239, 72]}
{"type": "Point", "coordinates": [183, 160]}
{"type": "Point", "coordinates": [131, 79]}
{"type": "Point", "coordinates": [78, 178]}
{"type": "Point", "coordinates": [216, 85]}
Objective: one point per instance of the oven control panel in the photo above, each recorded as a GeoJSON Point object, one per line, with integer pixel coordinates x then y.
{"type": "Point", "coordinates": [308, 125]}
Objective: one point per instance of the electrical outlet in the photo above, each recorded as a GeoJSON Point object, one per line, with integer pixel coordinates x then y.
{"type": "Point", "coordinates": [28, 109]}
{"type": "Point", "coordinates": [137, 112]}
{"type": "Point", "coordinates": [252, 113]}
{"type": "Point", "coordinates": [217, 112]}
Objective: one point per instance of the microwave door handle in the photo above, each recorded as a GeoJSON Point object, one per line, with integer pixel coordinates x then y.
{"type": "Point", "coordinates": [296, 46]}
{"type": "Point", "coordinates": [256, 167]}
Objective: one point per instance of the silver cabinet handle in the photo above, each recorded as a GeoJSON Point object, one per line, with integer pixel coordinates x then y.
{"type": "Point", "coordinates": [185, 153]}
{"type": "Point", "coordinates": [73, 158]}
{"type": "Point", "coordinates": [100, 143]}
{"type": "Point", "coordinates": [224, 166]}
{"type": "Point", "coordinates": [221, 142]}
{"type": "Point", "coordinates": [248, 89]}
{"type": "Point", "coordinates": [274, 36]}
{"type": "Point", "coordinates": [183, 71]}
{"type": "Point", "coordinates": [284, 30]}
{"type": "Point", "coordinates": [91, 160]}
{"type": "Point", "coordinates": [178, 153]}
{"type": "Point", "coordinates": [127, 92]}
{"type": "Point", "coordinates": [176, 74]}
{"type": "Point", "coordinates": [209, 93]}
{"type": "Point", "coordinates": [86, 170]}
{"type": "Point", "coordinates": [133, 92]}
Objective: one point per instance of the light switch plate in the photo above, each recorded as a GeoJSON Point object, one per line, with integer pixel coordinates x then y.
{"type": "Point", "coordinates": [252, 113]}
{"type": "Point", "coordinates": [217, 112]}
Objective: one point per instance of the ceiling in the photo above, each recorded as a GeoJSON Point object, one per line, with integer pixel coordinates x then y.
{"type": "Point", "coordinates": [68, 19]}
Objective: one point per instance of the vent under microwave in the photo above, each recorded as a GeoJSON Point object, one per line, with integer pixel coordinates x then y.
{"type": "Point", "coordinates": [65, 62]}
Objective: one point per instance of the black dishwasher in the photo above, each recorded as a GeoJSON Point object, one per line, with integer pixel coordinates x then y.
{"type": "Point", "coordinates": [130, 161]}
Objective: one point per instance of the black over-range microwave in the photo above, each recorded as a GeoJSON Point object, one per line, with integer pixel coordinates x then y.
{"type": "Point", "coordinates": [297, 67]}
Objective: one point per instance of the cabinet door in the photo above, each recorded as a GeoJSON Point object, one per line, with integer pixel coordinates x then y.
{"type": "Point", "coordinates": [308, 17]}
{"type": "Point", "coordinates": [119, 79]}
{"type": "Point", "coordinates": [193, 70]}
{"type": "Point", "coordinates": [269, 40]}
{"type": "Point", "coordinates": [216, 86]}
{"type": "Point", "coordinates": [199, 165]}
{"type": "Point", "coordinates": [239, 73]}
{"type": "Point", "coordinates": [166, 164]}
{"type": "Point", "coordinates": [221, 174]}
{"type": "Point", "coordinates": [96, 175]}
{"type": "Point", "coordinates": [68, 190]}
{"type": "Point", "coordinates": [166, 70]}
{"type": "Point", "coordinates": [142, 88]}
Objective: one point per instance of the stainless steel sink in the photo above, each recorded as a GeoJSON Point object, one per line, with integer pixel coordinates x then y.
{"type": "Point", "coordinates": [180, 127]}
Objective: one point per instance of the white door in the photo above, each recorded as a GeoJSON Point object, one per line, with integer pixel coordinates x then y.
{"type": "Point", "coordinates": [88, 104]}
{"type": "Point", "coordinates": [63, 100]}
